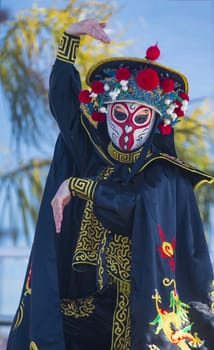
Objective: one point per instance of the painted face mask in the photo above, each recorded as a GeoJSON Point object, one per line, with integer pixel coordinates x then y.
{"type": "Point", "coordinates": [129, 124]}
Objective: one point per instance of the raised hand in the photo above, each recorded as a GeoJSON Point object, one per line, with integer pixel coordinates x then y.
{"type": "Point", "coordinates": [89, 27]}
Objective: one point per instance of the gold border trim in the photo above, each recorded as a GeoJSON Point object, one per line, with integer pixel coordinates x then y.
{"type": "Point", "coordinates": [138, 60]}
{"type": "Point", "coordinates": [209, 179]}
{"type": "Point", "coordinates": [68, 48]}
{"type": "Point", "coordinates": [123, 157]}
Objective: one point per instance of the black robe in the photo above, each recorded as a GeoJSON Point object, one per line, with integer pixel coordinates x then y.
{"type": "Point", "coordinates": [130, 269]}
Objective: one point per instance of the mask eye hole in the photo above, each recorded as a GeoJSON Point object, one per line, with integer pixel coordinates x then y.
{"type": "Point", "coordinates": [142, 116]}
{"type": "Point", "coordinates": [141, 119]}
{"type": "Point", "coordinates": [120, 116]}
{"type": "Point", "coordinates": [119, 113]}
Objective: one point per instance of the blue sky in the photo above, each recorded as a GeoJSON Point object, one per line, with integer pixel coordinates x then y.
{"type": "Point", "coordinates": [184, 30]}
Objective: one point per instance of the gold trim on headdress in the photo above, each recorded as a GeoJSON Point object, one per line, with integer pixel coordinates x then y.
{"type": "Point", "coordinates": [137, 60]}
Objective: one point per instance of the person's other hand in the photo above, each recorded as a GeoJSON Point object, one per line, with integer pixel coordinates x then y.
{"type": "Point", "coordinates": [60, 200]}
{"type": "Point", "coordinates": [89, 27]}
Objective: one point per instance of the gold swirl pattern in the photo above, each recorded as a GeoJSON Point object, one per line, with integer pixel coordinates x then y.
{"type": "Point", "coordinates": [100, 262]}
{"type": "Point", "coordinates": [121, 320]}
{"type": "Point", "coordinates": [83, 307]}
{"type": "Point", "coordinates": [20, 315]}
{"type": "Point", "coordinates": [91, 233]}
{"type": "Point", "coordinates": [33, 346]}
{"type": "Point", "coordinates": [167, 282]}
{"type": "Point", "coordinates": [118, 257]}
{"type": "Point", "coordinates": [167, 249]}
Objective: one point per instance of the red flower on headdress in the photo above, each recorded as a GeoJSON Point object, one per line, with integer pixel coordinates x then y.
{"type": "Point", "coordinates": [84, 96]}
{"type": "Point", "coordinates": [167, 85]}
{"type": "Point", "coordinates": [123, 74]}
{"type": "Point", "coordinates": [97, 87]}
{"type": "Point", "coordinates": [153, 52]}
{"type": "Point", "coordinates": [98, 117]}
{"type": "Point", "coordinates": [179, 112]}
{"type": "Point", "coordinates": [183, 96]}
{"type": "Point", "coordinates": [165, 129]}
{"type": "Point", "coordinates": [147, 79]}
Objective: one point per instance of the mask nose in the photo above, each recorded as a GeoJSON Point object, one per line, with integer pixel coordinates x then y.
{"type": "Point", "coordinates": [128, 128]}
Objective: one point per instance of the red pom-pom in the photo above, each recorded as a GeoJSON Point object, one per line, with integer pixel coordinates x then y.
{"type": "Point", "coordinates": [123, 74]}
{"type": "Point", "coordinates": [147, 79]}
{"type": "Point", "coordinates": [153, 52]}
{"type": "Point", "coordinates": [183, 95]}
{"type": "Point", "coordinates": [165, 129]}
{"type": "Point", "coordinates": [97, 87]}
{"type": "Point", "coordinates": [179, 112]}
{"type": "Point", "coordinates": [167, 85]}
{"type": "Point", "coordinates": [98, 117]}
{"type": "Point", "coordinates": [84, 96]}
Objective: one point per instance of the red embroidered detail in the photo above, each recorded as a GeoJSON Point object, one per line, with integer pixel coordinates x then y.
{"type": "Point", "coordinates": [167, 249]}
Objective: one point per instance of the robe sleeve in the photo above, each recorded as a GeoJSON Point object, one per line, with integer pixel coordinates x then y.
{"type": "Point", "coordinates": [64, 87]}
{"type": "Point", "coordinates": [113, 203]}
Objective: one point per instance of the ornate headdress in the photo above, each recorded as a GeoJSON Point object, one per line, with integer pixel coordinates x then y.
{"type": "Point", "coordinates": [140, 80]}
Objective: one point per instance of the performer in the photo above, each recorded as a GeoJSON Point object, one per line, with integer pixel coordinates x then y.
{"type": "Point", "coordinates": [126, 266]}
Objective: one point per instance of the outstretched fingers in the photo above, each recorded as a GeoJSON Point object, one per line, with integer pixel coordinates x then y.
{"type": "Point", "coordinates": [96, 30]}
{"type": "Point", "coordinates": [89, 27]}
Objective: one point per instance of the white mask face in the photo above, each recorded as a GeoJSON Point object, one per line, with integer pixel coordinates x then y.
{"type": "Point", "coordinates": [129, 124]}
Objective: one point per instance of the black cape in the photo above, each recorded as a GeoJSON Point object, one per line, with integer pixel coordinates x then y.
{"type": "Point", "coordinates": [166, 299]}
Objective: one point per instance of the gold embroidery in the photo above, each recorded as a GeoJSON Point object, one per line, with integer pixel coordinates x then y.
{"type": "Point", "coordinates": [19, 316]}
{"type": "Point", "coordinates": [83, 188]}
{"type": "Point", "coordinates": [118, 257]}
{"type": "Point", "coordinates": [100, 262]}
{"type": "Point", "coordinates": [91, 232]}
{"type": "Point", "coordinates": [177, 162]}
{"type": "Point", "coordinates": [174, 323]}
{"type": "Point", "coordinates": [68, 47]}
{"type": "Point", "coordinates": [83, 307]}
{"type": "Point", "coordinates": [118, 251]}
{"type": "Point", "coordinates": [123, 157]}
{"type": "Point", "coordinates": [121, 319]}
{"type": "Point", "coordinates": [153, 347]}
{"type": "Point", "coordinates": [33, 346]}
